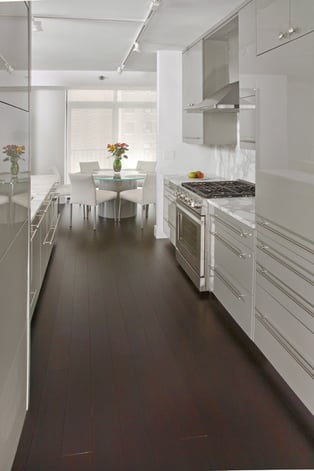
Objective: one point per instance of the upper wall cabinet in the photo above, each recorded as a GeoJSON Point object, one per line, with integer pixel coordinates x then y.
{"type": "Point", "coordinates": [247, 76]}
{"type": "Point", "coordinates": [192, 93]}
{"type": "Point", "coordinates": [211, 89]}
{"type": "Point", "coordinates": [14, 54]}
{"type": "Point", "coordinates": [281, 21]}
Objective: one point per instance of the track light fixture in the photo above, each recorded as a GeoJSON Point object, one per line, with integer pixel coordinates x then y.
{"type": "Point", "coordinates": [135, 46]}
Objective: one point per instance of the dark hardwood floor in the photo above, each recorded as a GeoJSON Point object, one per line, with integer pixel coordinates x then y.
{"type": "Point", "coordinates": [133, 370]}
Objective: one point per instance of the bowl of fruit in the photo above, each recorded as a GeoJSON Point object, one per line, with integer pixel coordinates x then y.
{"type": "Point", "coordinates": [196, 174]}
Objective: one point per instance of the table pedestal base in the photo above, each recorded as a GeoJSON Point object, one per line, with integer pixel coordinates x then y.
{"type": "Point", "coordinates": [128, 209]}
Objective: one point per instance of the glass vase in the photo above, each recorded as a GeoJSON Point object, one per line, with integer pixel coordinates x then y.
{"type": "Point", "coordinates": [14, 168]}
{"type": "Point", "coordinates": [117, 165]}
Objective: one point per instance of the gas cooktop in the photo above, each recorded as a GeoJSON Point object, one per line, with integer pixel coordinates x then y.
{"type": "Point", "coordinates": [221, 189]}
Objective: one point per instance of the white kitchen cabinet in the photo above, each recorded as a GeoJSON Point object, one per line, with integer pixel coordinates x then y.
{"type": "Point", "coordinates": [233, 265]}
{"type": "Point", "coordinates": [285, 305]}
{"type": "Point", "coordinates": [208, 67]}
{"type": "Point", "coordinates": [285, 101]}
{"type": "Point", "coordinates": [43, 230]}
{"type": "Point", "coordinates": [14, 228]}
{"type": "Point", "coordinates": [14, 76]}
{"type": "Point", "coordinates": [281, 21]}
{"type": "Point", "coordinates": [247, 76]}
{"type": "Point", "coordinates": [169, 210]}
{"type": "Point", "coordinates": [192, 93]}
{"type": "Point", "coordinates": [284, 202]}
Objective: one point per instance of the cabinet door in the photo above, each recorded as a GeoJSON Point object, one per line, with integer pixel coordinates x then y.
{"type": "Point", "coordinates": [14, 73]}
{"type": "Point", "coordinates": [192, 93]}
{"type": "Point", "coordinates": [301, 17]}
{"type": "Point", "coordinates": [272, 24]}
{"type": "Point", "coordinates": [279, 21]}
{"type": "Point", "coordinates": [247, 76]}
{"type": "Point", "coordinates": [285, 107]}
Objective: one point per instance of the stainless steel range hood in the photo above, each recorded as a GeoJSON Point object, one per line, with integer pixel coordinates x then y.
{"type": "Point", "coordinates": [224, 99]}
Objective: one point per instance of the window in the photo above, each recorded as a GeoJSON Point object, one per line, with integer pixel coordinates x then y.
{"type": "Point", "coordinates": [99, 117]}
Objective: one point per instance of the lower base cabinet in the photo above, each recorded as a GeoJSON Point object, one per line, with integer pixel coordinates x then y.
{"type": "Point", "coordinates": [284, 315]}
{"type": "Point", "coordinates": [43, 229]}
{"type": "Point", "coordinates": [294, 369]}
{"type": "Point", "coordinates": [234, 268]}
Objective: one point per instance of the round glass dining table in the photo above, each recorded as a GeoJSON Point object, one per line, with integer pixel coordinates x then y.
{"type": "Point", "coordinates": [126, 180]}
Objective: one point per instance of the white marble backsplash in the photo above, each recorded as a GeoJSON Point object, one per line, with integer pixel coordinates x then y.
{"type": "Point", "coordinates": [234, 163]}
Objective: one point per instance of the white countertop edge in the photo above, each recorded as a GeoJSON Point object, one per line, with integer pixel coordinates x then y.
{"type": "Point", "coordinates": [40, 187]}
{"type": "Point", "coordinates": [242, 209]}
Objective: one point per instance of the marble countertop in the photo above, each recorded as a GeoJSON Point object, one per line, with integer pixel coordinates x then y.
{"type": "Point", "coordinates": [40, 187]}
{"type": "Point", "coordinates": [242, 209]}
{"type": "Point", "coordinates": [178, 179]}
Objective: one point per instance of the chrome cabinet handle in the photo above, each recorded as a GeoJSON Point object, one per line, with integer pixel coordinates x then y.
{"type": "Point", "coordinates": [233, 290]}
{"type": "Point", "coordinates": [276, 283]}
{"type": "Point", "coordinates": [292, 30]}
{"type": "Point", "coordinates": [267, 225]}
{"type": "Point", "coordinates": [233, 249]}
{"type": "Point", "coordinates": [233, 228]}
{"type": "Point", "coordinates": [32, 296]}
{"type": "Point", "coordinates": [282, 35]}
{"type": "Point", "coordinates": [53, 231]}
{"type": "Point", "coordinates": [273, 330]}
{"type": "Point", "coordinates": [278, 257]}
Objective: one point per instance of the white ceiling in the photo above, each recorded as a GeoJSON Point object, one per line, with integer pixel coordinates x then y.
{"type": "Point", "coordinates": [97, 35]}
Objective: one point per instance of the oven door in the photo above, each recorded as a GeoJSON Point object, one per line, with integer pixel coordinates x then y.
{"type": "Point", "coordinates": [190, 244]}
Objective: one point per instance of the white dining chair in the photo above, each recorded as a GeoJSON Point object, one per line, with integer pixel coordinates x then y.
{"type": "Point", "coordinates": [89, 167]}
{"type": "Point", "coordinates": [61, 189]}
{"type": "Point", "coordinates": [143, 196]}
{"type": "Point", "coordinates": [84, 193]}
{"type": "Point", "coordinates": [145, 166]}
{"type": "Point", "coordinates": [148, 166]}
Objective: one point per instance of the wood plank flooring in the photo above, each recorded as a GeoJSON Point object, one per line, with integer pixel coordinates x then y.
{"type": "Point", "coordinates": [133, 370]}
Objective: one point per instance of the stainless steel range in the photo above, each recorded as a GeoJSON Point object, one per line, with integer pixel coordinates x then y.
{"type": "Point", "coordinates": [191, 209]}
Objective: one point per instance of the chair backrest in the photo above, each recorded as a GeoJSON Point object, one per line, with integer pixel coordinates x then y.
{"type": "Point", "coordinates": [146, 165]}
{"type": "Point", "coordinates": [149, 188]}
{"type": "Point", "coordinates": [83, 188]}
{"type": "Point", "coordinates": [89, 167]}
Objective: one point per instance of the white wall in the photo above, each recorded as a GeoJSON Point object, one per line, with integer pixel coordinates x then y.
{"type": "Point", "coordinates": [176, 157]}
{"type": "Point", "coordinates": [48, 130]}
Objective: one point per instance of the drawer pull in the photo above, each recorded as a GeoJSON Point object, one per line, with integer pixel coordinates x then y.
{"type": "Point", "coordinates": [277, 284]}
{"type": "Point", "coordinates": [233, 290]}
{"type": "Point", "coordinates": [52, 230]}
{"type": "Point", "coordinates": [234, 229]}
{"type": "Point", "coordinates": [40, 216]}
{"type": "Point", "coordinates": [265, 249]}
{"type": "Point", "coordinates": [233, 249]}
{"type": "Point", "coordinates": [266, 225]}
{"type": "Point", "coordinates": [32, 297]}
{"type": "Point", "coordinates": [282, 35]}
{"type": "Point", "coordinates": [296, 355]}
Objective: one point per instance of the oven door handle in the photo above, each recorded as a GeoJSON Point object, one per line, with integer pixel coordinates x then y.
{"type": "Point", "coordinates": [179, 229]}
{"type": "Point", "coordinates": [199, 219]}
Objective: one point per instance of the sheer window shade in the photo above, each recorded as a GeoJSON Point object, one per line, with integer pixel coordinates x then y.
{"type": "Point", "coordinates": [100, 117]}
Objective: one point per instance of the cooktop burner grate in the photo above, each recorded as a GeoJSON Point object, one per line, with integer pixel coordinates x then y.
{"type": "Point", "coordinates": [221, 189]}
